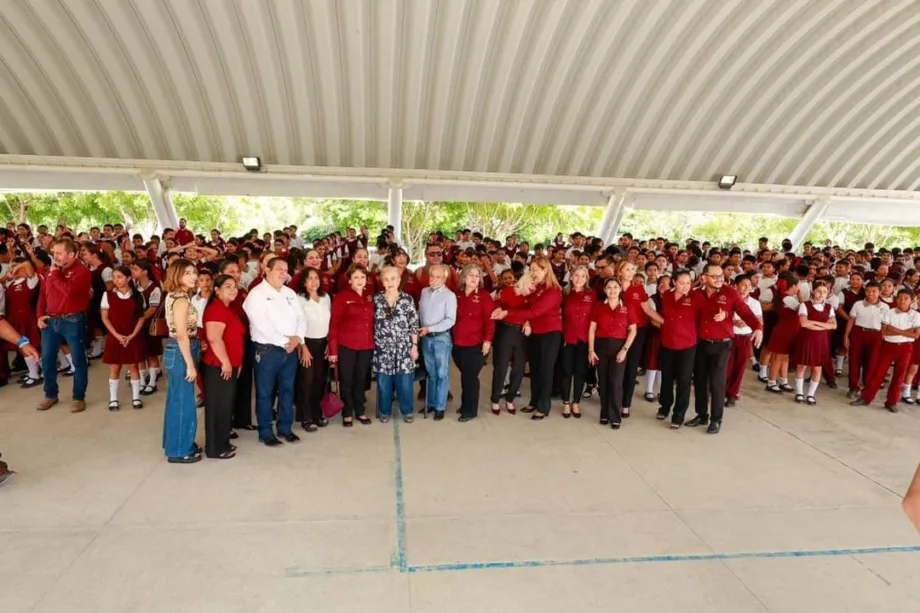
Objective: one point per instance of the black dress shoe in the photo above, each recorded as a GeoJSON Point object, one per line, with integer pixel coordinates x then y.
{"type": "Point", "coordinates": [661, 414]}
{"type": "Point", "coordinates": [714, 427]}
{"type": "Point", "coordinates": [465, 418]}
{"type": "Point", "coordinates": [271, 442]}
{"type": "Point", "coordinates": [438, 415]}
{"type": "Point", "coordinates": [615, 425]}
{"type": "Point", "coordinates": [697, 421]}
{"type": "Point", "coordinates": [291, 437]}
{"type": "Point", "coordinates": [528, 409]}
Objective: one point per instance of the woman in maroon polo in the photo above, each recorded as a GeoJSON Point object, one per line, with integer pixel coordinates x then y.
{"type": "Point", "coordinates": [576, 319]}
{"type": "Point", "coordinates": [642, 309]}
{"type": "Point", "coordinates": [223, 359]}
{"type": "Point", "coordinates": [544, 316]}
{"type": "Point", "coordinates": [610, 336]}
{"type": "Point", "coordinates": [472, 335]}
{"type": "Point", "coordinates": [351, 342]}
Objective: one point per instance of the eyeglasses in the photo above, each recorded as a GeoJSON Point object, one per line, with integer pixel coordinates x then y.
{"type": "Point", "coordinates": [435, 254]}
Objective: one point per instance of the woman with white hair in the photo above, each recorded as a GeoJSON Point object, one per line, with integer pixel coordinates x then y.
{"type": "Point", "coordinates": [473, 336]}
{"type": "Point", "coordinates": [395, 345]}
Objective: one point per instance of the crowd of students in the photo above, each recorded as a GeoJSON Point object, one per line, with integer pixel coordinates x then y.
{"type": "Point", "coordinates": [269, 317]}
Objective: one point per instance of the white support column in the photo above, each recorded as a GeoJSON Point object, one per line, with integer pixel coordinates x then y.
{"type": "Point", "coordinates": [812, 216]}
{"type": "Point", "coordinates": [394, 208]}
{"type": "Point", "coordinates": [613, 216]}
{"type": "Point", "coordinates": [161, 200]}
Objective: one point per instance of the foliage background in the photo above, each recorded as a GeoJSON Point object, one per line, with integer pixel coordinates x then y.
{"type": "Point", "coordinates": [316, 217]}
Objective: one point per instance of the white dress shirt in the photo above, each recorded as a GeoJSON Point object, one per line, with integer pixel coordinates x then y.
{"type": "Point", "coordinates": [867, 315]}
{"type": "Point", "coordinates": [904, 321]}
{"type": "Point", "coordinates": [316, 316]}
{"type": "Point", "coordinates": [200, 303]}
{"type": "Point", "coordinates": [744, 329]}
{"type": "Point", "coordinates": [274, 315]}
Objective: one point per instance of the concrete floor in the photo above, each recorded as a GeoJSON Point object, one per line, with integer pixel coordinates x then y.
{"type": "Point", "coordinates": [790, 509]}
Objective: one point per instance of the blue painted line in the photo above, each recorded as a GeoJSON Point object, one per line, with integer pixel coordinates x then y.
{"type": "Point", "coordinates": [401, 562]}
{"type": "Point", "coordinates": [293, 573]}
{"type": "Point", "coordinates": [693, 557]}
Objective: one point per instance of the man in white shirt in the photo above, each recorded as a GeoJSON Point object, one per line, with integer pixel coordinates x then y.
{"type": "Point", "coordinates": [900, 328]}
{"type": "Point", "coordinates": [277, 327]}
{"type": "Point", "coordinates": [296, 241]}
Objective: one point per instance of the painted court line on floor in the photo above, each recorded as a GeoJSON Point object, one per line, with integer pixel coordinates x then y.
{"type": "Point", "coordinates": [400, 503]}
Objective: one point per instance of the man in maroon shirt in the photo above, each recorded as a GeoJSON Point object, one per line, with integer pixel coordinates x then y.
{"type": "Point", "coordinates": [720, 304]}
{"type": "Point", "coordinates": [184, 236]}
{"type": "Point", "coordinates": [62, 304]}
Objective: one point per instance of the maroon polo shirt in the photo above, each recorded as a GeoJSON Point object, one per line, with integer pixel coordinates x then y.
{"type": "Point", "coordinates": [474, 319]}
{"type": "Point", "coordinates": [65, 290]}
{"type": "Point", "coordinates": [728, 300]}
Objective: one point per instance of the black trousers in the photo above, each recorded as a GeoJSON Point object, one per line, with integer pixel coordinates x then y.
{"type": "Point", "coordinates": [219, 397]}
{"type": "Point", "coordinates": [633, 359]}
{"type": "Point", "coordinates": [311, 383]}
{"type": "Point", "coordinates": [508, 352]}
{"type": "Point", "coordinates": [242, 402]}
{"type": "Point", "coordinates": [543, 350]}
{"type": "Point", "coordinates": [610, 375]}
{"type": "Point", "coordinates": [469, 361]}
{"type": "Point", "coordinates": [354, 370]}
{"type": "Point", "coordinates": [573, 362]}
{"type": "Point", "coordinates": [676, 368]}
{"type": "Point", "coordinates": [709, 372]}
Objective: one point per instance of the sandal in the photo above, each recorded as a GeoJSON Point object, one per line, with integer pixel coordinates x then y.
{"type": "Point", "coordinates": [137, 404]}
{"type": "Point", "coordinates": [576, 414]}
{"type": "Point", "coordinates": [566, 409]}
{"type": "Point", "coordinates": [189, 459]}
{"type": "Point", "coordinates": [496, 409]}
{"type": "Point", "coordinates": [799, 398]}
{"type": "Point", "coordinates": [113, 406]}
{"type": "Point", "coordinates": [365, 420]}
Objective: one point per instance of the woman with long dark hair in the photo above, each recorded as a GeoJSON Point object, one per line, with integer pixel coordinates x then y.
{"type": "Point", "coordinates": [312, 371]}
{"type": "Point", "coordinates": [612, 333]}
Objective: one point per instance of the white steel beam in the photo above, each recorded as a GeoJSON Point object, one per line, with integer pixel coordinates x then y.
{"type": "Point", "coordinates": [613, 216]}
{"type": "Point", "coordinates": [812, 216]}
{"type": "Point", "coordinates": [394, 209]}
{"type": "Point", "coordinates": [161, 201]}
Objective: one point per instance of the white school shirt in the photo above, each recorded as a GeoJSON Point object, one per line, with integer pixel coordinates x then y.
{"type": "Point", "coordinates": [804, 291]}
{"type": "Point", "coordinates": [200, 303]}
{"type": "Point", "coordinates": [274, 315]}
{"type": "Point", "coordinates": [104, 305]}
{"type": "Point", "coordinates": [651, 289]}
{"type": "Point", "coordinates": [899, 319]}
{"type": "Point", "coordinates": [756, 309]}
{"type": "Point", "coordinates": [840, 284]}
{"type": "Point", "coordinates": [316, 316]}
{"type": "Point", "coordinates": [867, 315]}
{"type": "Point", "coordinates": [803, 309]}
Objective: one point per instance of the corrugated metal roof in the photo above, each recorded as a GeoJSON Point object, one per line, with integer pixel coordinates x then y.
{"type": "Point", "coordinates": [786, 92]}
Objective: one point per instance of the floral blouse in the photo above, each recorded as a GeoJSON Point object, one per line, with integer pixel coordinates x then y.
{"type": "Point", "coordinates": [393, 330]}
{"type": "Point", "coordinates": [193, 315]}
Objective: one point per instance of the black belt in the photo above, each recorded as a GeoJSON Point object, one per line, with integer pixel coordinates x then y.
{"type": "Point", "coordinates": [63, 315]}
{"type": "Point", "coordinates": [720, 340]}
{"type": "Point", "coordinates": [743, 336]}
{"type": "Point", "coordinates": [865, 329]}
{"type": "Point", "coordinates": [436, 334]}
{"type": "Point", "coordinates": [511, 325]}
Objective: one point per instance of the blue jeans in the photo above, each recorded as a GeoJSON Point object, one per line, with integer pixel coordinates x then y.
{"type": "Point", "coordinates": [180, 421]}
{"type": "Point", "coordinates": [436, 353]}
{"type": "Point", "coordinates": [70, 329]}
{"type": "Point", "coordinates": [273, 365]}
{"type": "Point", "coordinates": [402, 383]}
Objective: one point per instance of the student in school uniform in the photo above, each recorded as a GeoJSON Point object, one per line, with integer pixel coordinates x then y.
{"type": "Point", "coordinates": [742, 345]}
{"type": "Point", "coordinates": [782, 340]}
{"type": "Point", "coordinates": [863, 336]}
{"type": "Point", "coordinates": [653, 340]}
{"type": "Point", "coordinates": [122, 312]}
{"type": "Point", "coordinates": [21, 296]}
{"type": "Point", "coordinates": [812, 345]}
{"type": "Point", "coordinates": [900, 328]}
{"type": "Point", "coordinates": [144, 279]}
{"type": "Point", "coordinates": [610, 336]}
{"type": "Point", "coordinates": [913, 371]}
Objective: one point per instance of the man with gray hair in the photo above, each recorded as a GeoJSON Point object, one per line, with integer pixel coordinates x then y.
{"type": "Point", "coordinates": [437, 316]}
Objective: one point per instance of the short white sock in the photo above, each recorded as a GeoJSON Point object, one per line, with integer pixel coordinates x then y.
{"type": "Point", "coordinates": [812, 387]}
{"type": "Point", "coordinates": [764, 370]}
{"type": "Point", "coordinates": [800, 386]}
{"type": "Point", "coordinates": [32, 365]}
{"type": "Point", "coordinates": [154, 374]}
{"type": "Point", "coordinates": [143, 378]}
{"type": "Point", "coordinates": [651, 375]}
{"type": "Point", "coordinates": [783, 381]}
{"type": "Point", "coordinates": [905, 391]}
{"type": "Point", "coordinates": [135, 389]}
{"type": "Point", "coordinates": [113, 390]}
{"type": "Point", "coordinates": [840, 362]}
